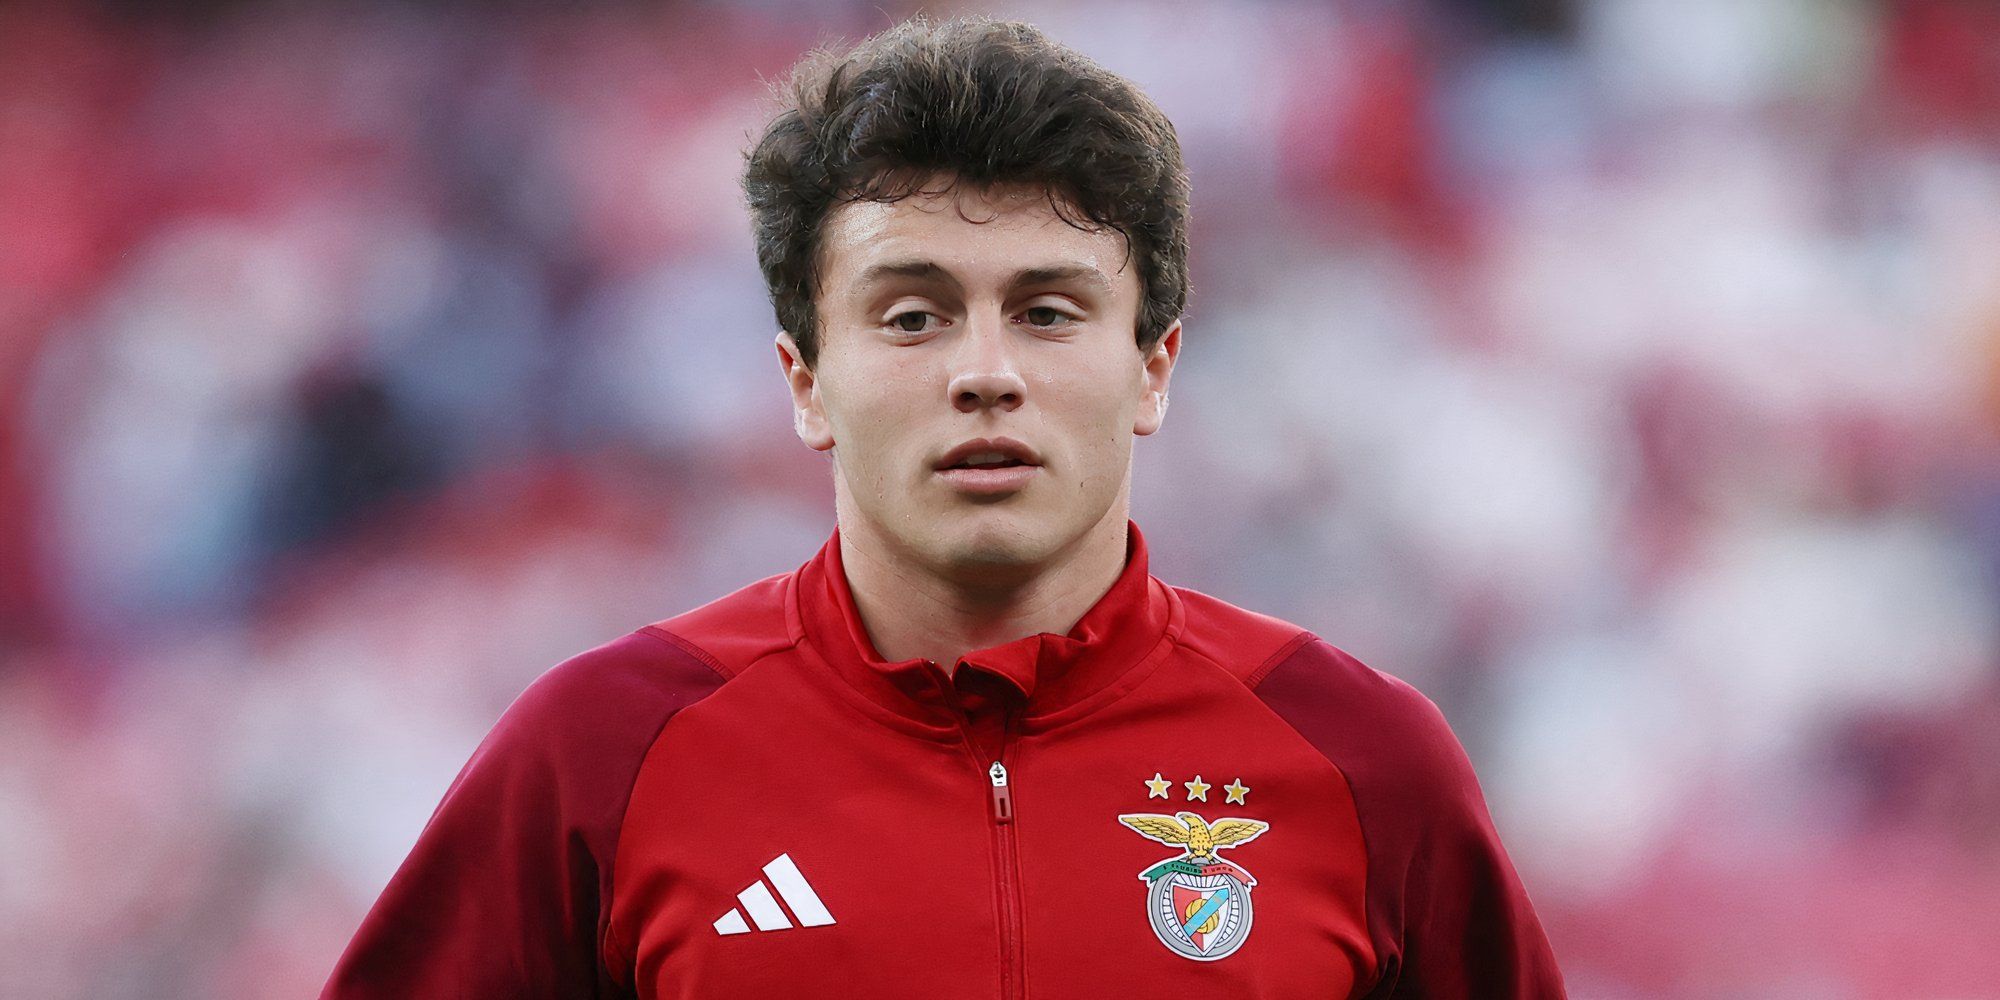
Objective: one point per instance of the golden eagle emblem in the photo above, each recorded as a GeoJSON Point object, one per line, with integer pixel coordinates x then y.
{"type": "Point", "coordinates": [1201, 838]}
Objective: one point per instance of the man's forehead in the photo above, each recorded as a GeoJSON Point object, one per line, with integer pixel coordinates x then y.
{"type": "Point", "coordinates": [1053, 271]}
{"type": "Point", "coordinates": [1012, 231]}
{"type": "Point", "coordinates": [947, 193]}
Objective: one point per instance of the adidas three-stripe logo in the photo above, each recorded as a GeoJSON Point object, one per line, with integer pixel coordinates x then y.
{"type": "Point", "coordinates": [763, 908]}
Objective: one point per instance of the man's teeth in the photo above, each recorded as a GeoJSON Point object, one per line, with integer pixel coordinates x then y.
{"type": "Point", "coordinates": [984, 458]}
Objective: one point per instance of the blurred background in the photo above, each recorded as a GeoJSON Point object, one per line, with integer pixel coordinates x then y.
{"type": "Point", "coordinates": [1624, 374]}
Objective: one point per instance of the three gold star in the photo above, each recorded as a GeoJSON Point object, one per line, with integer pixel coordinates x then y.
{"type": "Point", "coordinates": [1197, 790]}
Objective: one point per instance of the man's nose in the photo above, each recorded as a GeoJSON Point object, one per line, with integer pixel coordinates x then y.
{"type": "Point", "coordinates": [984, 371]}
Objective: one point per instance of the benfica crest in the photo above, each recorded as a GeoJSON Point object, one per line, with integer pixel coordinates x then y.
{"type": "Point", "coordinates": [1199, 904]}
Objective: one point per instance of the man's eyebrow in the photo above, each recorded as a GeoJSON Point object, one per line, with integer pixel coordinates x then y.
{"type": "Point", "coordinates": [932, 271]}
{"type": "Point", "coordinates": [913, 268]}
{"type": "Point", "coordinates": [1064, 272]}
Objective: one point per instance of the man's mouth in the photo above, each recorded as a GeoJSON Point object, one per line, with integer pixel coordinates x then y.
{"type": "Point", "coordinates": [989, 453]}
{"type": "Point", "coordinates": [988, 460]}
{"type": "Point", "coordinates": [990, 467]}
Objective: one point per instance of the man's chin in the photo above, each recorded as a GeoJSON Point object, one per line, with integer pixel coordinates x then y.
{"type": "Point", "coordinates": [992, 542]}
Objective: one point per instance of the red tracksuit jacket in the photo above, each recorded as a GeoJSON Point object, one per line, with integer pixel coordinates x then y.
{"type": "Point", "coordinates": [1178, 798]}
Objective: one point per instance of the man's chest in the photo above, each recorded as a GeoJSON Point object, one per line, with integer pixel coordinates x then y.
{"type": "Point", "coordinates": [1188, 845]}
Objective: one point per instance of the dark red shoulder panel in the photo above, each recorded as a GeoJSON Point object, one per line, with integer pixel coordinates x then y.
{"type": "Point", "coordinates": [1447, 913]}
{"type": "Point", "coordinates": [504, 893]}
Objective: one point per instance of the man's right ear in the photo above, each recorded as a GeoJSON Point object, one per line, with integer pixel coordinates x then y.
{"type": "Point", "coordinates": [808, 411]}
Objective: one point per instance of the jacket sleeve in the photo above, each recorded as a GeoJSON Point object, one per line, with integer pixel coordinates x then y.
{"type": "Point", "coordinates": [505, 893]}
{"type": "Point", "coordinates": [1468, 928]}
{"type": "Point", "coordinates": [1448, 916]}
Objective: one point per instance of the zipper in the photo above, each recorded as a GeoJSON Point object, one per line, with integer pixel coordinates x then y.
{"type": "Point", "coordinates": [1000, 782]}
{"type": "Point", "coordinates": [1003, 796]}
{"type": "Point", "coordinates": [1012, 986]}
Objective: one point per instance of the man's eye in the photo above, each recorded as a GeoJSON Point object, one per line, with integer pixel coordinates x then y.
{"type": "Point", "coordinates": [1044, 316]}
{"type": "Point", "coordinates": [910, 322]}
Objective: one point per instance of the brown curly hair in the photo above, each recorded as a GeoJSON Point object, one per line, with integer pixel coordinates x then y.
{"type": "Point", "coordinates": [982, 102]}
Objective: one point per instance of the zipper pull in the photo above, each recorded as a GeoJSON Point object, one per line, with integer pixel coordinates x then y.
{"type": "Point", "coordinates": [1003, 796]}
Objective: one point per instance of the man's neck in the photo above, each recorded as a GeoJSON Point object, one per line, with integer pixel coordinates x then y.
{"type": "Point", "coordinates": [911, 610]}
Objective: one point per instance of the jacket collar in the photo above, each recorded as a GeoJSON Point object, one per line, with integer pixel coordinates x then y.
{"type": "Point", "coordinates": [1040, 674]}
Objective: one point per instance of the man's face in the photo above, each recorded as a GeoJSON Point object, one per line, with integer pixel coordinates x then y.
{"type": "Point", "coordinates": [977, 314]}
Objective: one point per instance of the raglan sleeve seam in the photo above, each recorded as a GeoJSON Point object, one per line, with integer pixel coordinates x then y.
{"type": "Point", "coordinates": [1444, 843]}
{"type": "Point", "coordinates": [687, 647]}
{"type": "Point", "coordinates": [620, 955]}
{"type": "Point", "coordinates": [1280, 655]}
{"type": "Point", "coordinates": [613, 951]}
{"type": "Point", "coordinates": [1368, 883]}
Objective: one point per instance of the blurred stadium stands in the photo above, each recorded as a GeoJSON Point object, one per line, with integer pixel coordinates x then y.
{"type": "Point", "coordinates": [1625, 374]}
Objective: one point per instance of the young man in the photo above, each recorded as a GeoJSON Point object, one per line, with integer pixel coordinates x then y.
{"type": "Point", "coordinates": [972, 748]}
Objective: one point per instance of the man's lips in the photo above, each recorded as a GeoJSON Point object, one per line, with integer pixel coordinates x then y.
{"type": "Point", "coordinates": [988, 453]}
{"type": "Point", "coordinates": [991, 480]}
{"type": "Point", "coordinates": [990, 466]}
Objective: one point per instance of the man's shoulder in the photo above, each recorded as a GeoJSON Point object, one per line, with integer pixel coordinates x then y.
{"type": "Point", "coordinates": [654, 670]}
{"type": "Point", "coordinates": [737, 629]}
{"type": "Point", "coordinates": [645, 664]}
{"type": "Point", "coordinates": [1244, 642]}
{"type": "Point", "coordinates": [1313, 682]}
{"type": "Point", "coordinates": [1318, 678]}
{"type": "Point", "coordinates": [1348, 709]}
{"type": "Point", "coordinates": [610, 698]}
{"type": "Point", "coordinates": [1390, 740]}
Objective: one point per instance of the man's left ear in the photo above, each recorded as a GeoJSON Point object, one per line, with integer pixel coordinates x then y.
{"type": "Point", "coordinates": [1159, 369]}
